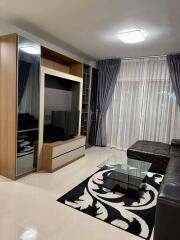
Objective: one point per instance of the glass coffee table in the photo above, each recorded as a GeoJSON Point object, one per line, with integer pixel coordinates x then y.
{"type": "Point", "coordinates": [125, 176]}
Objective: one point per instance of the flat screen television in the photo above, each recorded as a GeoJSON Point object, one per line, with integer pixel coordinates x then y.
{"type": "Point", "coordinates": [64, 125]}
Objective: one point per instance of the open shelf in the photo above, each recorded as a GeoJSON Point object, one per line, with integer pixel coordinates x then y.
{"type": "Point", "coordinates": [59, 62]}
{"type": "Point", "coordinates": [86, 100]}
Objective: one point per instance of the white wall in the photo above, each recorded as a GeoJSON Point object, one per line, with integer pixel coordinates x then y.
{"type": "Point", "coordinates": [6, 28]}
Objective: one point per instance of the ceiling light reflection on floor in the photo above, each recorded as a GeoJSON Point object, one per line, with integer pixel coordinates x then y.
{"type": "Point", "coordinates": [29, 234]}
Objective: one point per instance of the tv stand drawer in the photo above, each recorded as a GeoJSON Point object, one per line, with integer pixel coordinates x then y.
{"type": "Point", "coordinates": [64, 159]}
{"type": "Point", "coordinates": [59, 154]}
{"type": "Point", "coordinates": [69, 146]}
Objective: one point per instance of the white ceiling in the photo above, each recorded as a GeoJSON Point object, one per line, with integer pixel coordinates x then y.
{"type": "Point", "coordinates": [90, 27]}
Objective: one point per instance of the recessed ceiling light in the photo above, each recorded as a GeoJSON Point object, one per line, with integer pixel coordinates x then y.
{"type": "Point", "coordinates": [133, 36]}
{"type": "Point", "coordinates": [30, 50]}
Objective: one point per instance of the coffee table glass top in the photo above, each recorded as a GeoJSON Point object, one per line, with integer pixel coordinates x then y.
{"type": "Point", "coordinates": [126, 174]}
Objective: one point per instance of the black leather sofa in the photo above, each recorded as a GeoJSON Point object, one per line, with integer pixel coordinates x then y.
{"type": "Point", "coordinates": [165, 159]}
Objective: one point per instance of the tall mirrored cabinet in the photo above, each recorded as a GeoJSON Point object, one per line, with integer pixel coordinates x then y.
{"type": "Point", "coordinates": [19, 105]}
{"type": "Point", "coordinates": [24, 131]}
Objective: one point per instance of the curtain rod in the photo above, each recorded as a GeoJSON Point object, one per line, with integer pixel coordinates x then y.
{"type": "Point", "coordinates": [129, 58]}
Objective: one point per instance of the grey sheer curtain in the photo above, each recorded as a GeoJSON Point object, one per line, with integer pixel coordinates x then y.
{"type": "Point", "coordinates": [174, 70]}
{"type": "Point", "coordinates": [104, 88]}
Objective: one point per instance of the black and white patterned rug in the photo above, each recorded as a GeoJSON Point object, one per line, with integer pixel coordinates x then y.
{"type": "Point", "coordinates": [131, 213]}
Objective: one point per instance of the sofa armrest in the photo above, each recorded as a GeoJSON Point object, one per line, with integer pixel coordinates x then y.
{"type": "Point", "coordinates": [168, 213]}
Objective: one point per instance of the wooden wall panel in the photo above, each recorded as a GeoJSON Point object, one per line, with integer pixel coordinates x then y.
{"type": "Point", "coordinates": [55, 65]}
{"type": "Point", "coordinates": [59, 62]}
{"type": "Point", "coordinates": [76, 69]}
{"type": "Point", "coordinates": [8, 107]}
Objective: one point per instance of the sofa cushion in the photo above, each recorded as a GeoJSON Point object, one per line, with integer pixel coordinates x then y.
{"type": "Point", "coordinates": [174, 165]}
{"type": "Point", "coordinates": [170, 190]}
{"type": "Point", "coordinates": [166, 223]}
{"type": "Point", "coordinates": [175, 151]}
{"type": "Point", "coordinates": [168, 210]}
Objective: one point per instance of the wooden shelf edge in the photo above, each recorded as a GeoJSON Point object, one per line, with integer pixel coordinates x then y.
{"type": "Point", "coordinates": [57, 73]}
{"type": "Point", "coordinates": [57, 143]}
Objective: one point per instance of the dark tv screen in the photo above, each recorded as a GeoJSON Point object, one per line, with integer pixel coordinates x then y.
{"type": "Point", "coordinates": [64, 125]}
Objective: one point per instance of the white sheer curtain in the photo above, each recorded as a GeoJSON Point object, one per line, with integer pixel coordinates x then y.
{"type": "Point", "coordinates": [143, 105]}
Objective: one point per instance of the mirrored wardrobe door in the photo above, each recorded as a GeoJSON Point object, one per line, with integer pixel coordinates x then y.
{"type": "Point", "coordinates": [28, 105]}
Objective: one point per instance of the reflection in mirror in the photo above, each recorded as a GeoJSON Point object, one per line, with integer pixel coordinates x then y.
{"type": "Point", "coordinates": [28, 105]}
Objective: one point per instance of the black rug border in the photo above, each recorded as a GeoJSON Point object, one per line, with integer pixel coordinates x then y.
{"type": "Point", "coordinates": [96, 217]}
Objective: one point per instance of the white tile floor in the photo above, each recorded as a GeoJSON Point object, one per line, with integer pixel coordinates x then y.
{"type": "Point", "coordinates": [29, 210]}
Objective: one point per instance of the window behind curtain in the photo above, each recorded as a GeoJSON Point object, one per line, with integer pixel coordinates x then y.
{"type": "Point", "coordinates": [144, 105]}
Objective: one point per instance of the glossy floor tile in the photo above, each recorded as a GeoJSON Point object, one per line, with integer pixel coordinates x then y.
{"type": "Point", "coordinates": [29, 210]}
